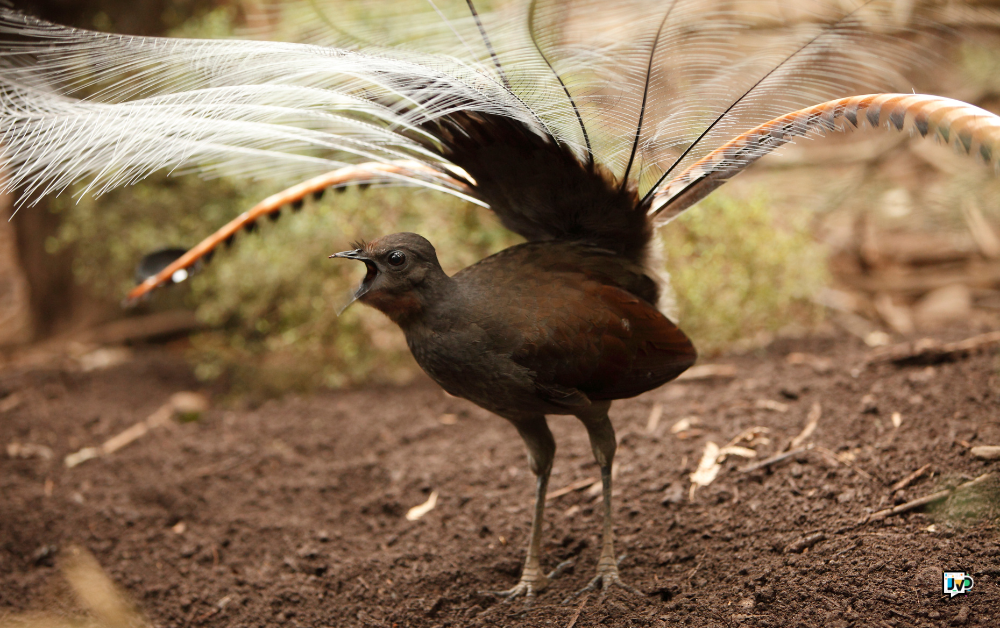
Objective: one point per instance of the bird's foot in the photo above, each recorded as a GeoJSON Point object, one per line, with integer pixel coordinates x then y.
{"type": "Point", "coordinates": [532, 582]}
{"type": "Point", "coordinates": [607, 577]}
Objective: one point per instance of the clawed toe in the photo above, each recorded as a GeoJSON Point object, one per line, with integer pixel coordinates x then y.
{"type": "Point", "coordinates": [604, 580]}
{"type": "Point", "coordinates": [560, 569]}
{"type": "Point", "coordinates": [527, 589]}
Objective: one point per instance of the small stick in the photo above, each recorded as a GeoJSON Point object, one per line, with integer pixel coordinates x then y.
{"type": "Point", "coordinates": [708, 371]}
{"type": "Point", "coordinates": [575, 486]}
{"type": "Point", "coordinates": [804, 543]}
{"type": "Point", "coordinates": [10, 402]}
{"type": "Point", "coordinates": [182, 402]}
{"type": "Point", "coordinates": [923, 501]}
{"type": "Point", "coordinates": [812, 420]}
{"type": "Point", "coordinates": [775, 459]}
{"type": "Point", "coordinates": [654, 418]}
{"type": "Point", "coordinates": [829, 455]}
{"type": "Point", "coordinates": [129, 435]}
{"type": "Point", "coordinates": [579, 609]}
{"type": "Point", "coordinates": [929, 351]}
{"type": "Point", "coordinates": [910, 479]}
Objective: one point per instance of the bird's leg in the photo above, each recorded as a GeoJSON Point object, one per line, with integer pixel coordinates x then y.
{"type": "Point", "coordinates": [541, 449]}
{"type": "Point", "coordinates": [603, 443]}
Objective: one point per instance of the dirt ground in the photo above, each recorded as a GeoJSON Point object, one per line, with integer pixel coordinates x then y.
{"type": "Point", "coordinates": [293, 513]}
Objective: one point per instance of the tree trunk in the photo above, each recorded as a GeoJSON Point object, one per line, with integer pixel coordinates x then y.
{"type": "Point", "coordinates": [15, 296]}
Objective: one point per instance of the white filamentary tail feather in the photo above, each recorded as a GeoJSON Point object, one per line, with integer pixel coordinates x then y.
{"type": "Point", "coordinates": [638, 109]}
{"type": "Point", "coordinates": [79, 105]}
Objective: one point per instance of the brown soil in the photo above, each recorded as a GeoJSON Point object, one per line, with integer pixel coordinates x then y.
{"type": "Point", "coordinates": [294, 511]}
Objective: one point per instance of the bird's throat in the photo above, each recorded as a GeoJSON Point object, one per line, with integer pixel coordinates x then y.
{"type": "Point", "coordinates": [402, 308]}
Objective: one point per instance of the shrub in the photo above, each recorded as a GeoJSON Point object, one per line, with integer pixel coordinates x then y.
{"type": "Point", "coordinates": [740, 267]}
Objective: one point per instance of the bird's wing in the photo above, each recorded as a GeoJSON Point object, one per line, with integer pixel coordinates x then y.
{"type": "Point", "coordinates": [598, 339]}
{"type": "Point", "coordinates": [580, 319]}
{"type": "Point", "coordinates": [970, 129]}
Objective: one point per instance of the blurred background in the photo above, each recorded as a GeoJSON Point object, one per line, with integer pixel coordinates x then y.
{"type": "Point", "coordinates": [876, 235]}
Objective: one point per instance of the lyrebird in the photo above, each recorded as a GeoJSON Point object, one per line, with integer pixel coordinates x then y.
{"type": "Point", "coordinates": [583, 125]}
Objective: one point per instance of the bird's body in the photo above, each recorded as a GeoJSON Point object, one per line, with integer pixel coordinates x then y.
{"type": "Point", "coordinates": [583, 125]}
{"type": "Point", "coordinates": [539, 328]}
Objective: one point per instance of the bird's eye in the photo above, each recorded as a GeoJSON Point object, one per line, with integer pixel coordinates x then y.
{"type": "Point", "coordinates": [396, 258]}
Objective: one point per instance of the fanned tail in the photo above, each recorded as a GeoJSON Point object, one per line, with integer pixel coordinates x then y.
{"type": "Point", "coordinates": [970, 129]}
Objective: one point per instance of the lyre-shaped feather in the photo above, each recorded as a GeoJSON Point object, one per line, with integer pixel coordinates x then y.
{"type": "Point", "coordinates": [580, 74]}
{"type": "Point", "coordinates": [970, 129]}
{"type": "Point", "coordinates": [571, 120]}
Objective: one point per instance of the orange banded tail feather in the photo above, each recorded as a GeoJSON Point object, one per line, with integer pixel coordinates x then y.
{"type": "Point", "coordinates": [373, 172]}
{"type": "Point", "coordinates": [967, 127]}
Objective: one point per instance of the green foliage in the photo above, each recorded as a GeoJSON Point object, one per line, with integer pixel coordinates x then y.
{"type": "Point", "coordinates": [967, 507]}
{"type": "Point", "coordinates": [740, 268]}
{"type": "Point", "coordinates": [111, 233]}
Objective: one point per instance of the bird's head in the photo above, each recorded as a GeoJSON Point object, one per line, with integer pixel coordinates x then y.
{"type": "Point", "coordinates": [403, 271]}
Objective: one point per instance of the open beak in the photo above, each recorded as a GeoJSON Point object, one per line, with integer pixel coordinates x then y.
{"type": "Point", "coordinates": [366, 283]}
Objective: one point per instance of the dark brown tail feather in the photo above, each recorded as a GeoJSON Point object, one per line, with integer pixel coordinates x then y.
{"type": "Point", "coordinates": [540, 189]}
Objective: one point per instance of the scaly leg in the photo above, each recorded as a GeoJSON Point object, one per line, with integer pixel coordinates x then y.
{"type": "Point", "coordinates": [541, 449]}
{"type": "Point", "coordinates": [603, 443]}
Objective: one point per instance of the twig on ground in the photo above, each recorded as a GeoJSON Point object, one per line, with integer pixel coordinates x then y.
{"type": "Point", "coordinates": [756, 435]}
{"type": "Point", "coordinates": [180, 403]}
{"type": "Point", "coordinates": [930, 351]}
{"type": "Point", "coordinates": [856, 544]}
{"type": "Point", "coordinates": [775, 459]}
{"type": "Point", "coordinates": [579, 485]}
{"type": "Point", "coordinates": [684, 428]}
{"type": "Point", "coordinates": [708, 468]}
{"type": "Point", "coordinates": [817, 363]}
{"type": "Point", "coordinates": [804, 543]}
{"type": "Point", "coordinates": [772, 405]}
{"type": "Point", "coordinates": [812, 420]}
{"type": "Point", "coordinates": [579, 609]}
{"type": "Point", "coordinates": [923, 501]}
{"type": "Point", "coordinates": [10, 402]}
{"type": "Point", "coordinates": [832, 457]}
{"type": "Point", "coordinates": [708, 371]}
{"type": "Point", "coordinates": [654, 418]}
{"type": "Point", "coordinates": [910, 479]}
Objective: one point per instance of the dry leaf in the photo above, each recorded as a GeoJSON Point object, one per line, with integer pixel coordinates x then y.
{"type": "Point", "coordinates": [707, 469]}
